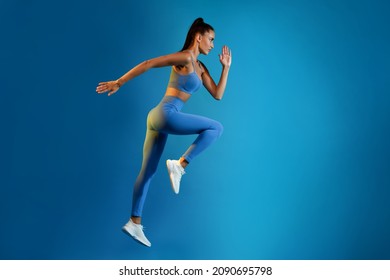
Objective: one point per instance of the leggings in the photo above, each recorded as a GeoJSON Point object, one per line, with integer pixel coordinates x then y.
{"type": "Point", "coordinates": [166, 119]}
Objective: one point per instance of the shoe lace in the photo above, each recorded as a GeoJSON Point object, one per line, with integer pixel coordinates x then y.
{"type": "Point", "coordinates": [180, 169]}
{"type": "Point", "coordinates": [140, 226]}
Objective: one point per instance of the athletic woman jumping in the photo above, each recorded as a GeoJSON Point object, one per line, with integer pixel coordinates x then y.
{"type": "Point", "coordinates": [187, 76]}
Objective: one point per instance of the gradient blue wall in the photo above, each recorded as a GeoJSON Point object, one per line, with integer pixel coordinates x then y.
{"type": "Point", "coordinates": [302, 170]}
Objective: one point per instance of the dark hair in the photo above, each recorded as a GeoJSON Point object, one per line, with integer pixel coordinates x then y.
{"type": "Point", "coordinates": [198, 26]}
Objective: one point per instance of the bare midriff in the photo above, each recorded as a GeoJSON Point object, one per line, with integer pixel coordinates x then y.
{"type": "Point", "coordinates": [177, 93]}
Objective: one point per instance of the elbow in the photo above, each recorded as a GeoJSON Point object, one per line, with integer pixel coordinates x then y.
{"type": "Point", "coordinates": [216, 92]}
{"type": "Point", "coordinates": [218, 97]}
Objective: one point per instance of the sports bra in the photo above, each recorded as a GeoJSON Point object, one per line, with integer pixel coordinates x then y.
{"type": "Point", "coordinates": [188, 83]}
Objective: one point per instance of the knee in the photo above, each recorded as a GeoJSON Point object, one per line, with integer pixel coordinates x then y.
{"type": "Point", "coordinates": [218, 127]}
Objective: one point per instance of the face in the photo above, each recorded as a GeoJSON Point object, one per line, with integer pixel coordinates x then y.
{"type": "Point", "coordinates": [206, 42]}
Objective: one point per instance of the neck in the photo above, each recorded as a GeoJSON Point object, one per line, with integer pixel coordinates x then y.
{"type": "Point", "coordinates": [195, 51]}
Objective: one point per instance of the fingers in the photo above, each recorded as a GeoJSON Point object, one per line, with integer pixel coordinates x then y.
{"type": "Point", "coordinates": [111, 87]}
{"type": "Point", "coordinates": [226, 50]}
{"type": "Point", "coordinates": [104, 87]}
{"type": "Point", "coordinates": [226, 56]}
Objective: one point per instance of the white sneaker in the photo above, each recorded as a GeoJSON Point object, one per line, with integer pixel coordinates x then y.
{"type": "Point", "coordinates": [175, 171]}
{"type": "Point", "coordinates": [136, 231]}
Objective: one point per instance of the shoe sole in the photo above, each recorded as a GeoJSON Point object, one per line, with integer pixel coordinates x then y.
{"type": "Point", "coordinates": [134, 237]}
{"type": "Point", "coordinates": [169, 167]}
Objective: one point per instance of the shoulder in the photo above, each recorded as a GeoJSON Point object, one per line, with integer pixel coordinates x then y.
{"type": "Point", "coordinates": [177, 58]}
{"type": "Point", "coordinates": [186, 56]}
{"type": "Point", "coordinates": [184, 59]}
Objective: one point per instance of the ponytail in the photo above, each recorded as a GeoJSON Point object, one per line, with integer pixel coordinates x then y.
{"type": "Point", "coordinates": [198, 26]}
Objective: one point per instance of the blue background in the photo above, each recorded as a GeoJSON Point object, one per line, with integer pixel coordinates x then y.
{"type": "Point", "coordinates": [302, 170]}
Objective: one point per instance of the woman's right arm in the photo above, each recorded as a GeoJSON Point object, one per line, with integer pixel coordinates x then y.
{"type": "Point", "coordinates": [179, 58]}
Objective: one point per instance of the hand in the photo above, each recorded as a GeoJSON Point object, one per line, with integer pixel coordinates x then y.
{"type": "Point", "coordinates": [111, 87]}
{"type": "Point", "coordinates": [226, 57]}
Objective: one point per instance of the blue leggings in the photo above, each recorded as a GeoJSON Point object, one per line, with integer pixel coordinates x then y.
{"type": "Point", "coordinates": [166, 119]}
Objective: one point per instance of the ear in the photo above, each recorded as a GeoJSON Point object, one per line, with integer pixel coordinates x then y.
{"type": "Point", "coordinates": [198, 37]}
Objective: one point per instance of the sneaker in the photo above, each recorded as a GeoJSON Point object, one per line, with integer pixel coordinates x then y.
{"type": "Point", "coordinates": [175, 171]}
{"type": "Point", "coordinates": [136, 231]}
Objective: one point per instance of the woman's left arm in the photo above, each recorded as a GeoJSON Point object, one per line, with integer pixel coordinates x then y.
{"type": "Point", "coordinates": [217, 90]}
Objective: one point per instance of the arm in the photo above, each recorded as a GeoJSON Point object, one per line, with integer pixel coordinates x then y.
{"type": "Point", "coordinates": [215, 90]}
{"type": "Point", "coordinates": [111, 87]}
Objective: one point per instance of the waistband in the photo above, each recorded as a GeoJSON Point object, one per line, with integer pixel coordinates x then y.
{"type": "Point", "coordinates": [174, 101]}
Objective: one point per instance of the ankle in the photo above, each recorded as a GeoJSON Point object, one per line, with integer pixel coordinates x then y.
{"type": "Point", "coordinates": [136, 220]}
{"type": "Point", "coordinates": [183, 162]}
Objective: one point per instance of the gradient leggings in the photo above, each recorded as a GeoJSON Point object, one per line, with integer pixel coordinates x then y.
{"type": "Point", "coordinates": [166, 119]}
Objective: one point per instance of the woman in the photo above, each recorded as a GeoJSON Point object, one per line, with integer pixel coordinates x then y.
{"type": "Point", "coordinates": [186, 77]}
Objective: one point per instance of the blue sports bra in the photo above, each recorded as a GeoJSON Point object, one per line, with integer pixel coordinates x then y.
{"type": "Point", "coordinates": [188, 83]}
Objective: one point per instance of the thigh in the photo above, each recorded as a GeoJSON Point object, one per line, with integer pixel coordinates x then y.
{"type": "Point", "coordinates": [182, 124]}
{"type": "Point", "coordinates": [153, 148]}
